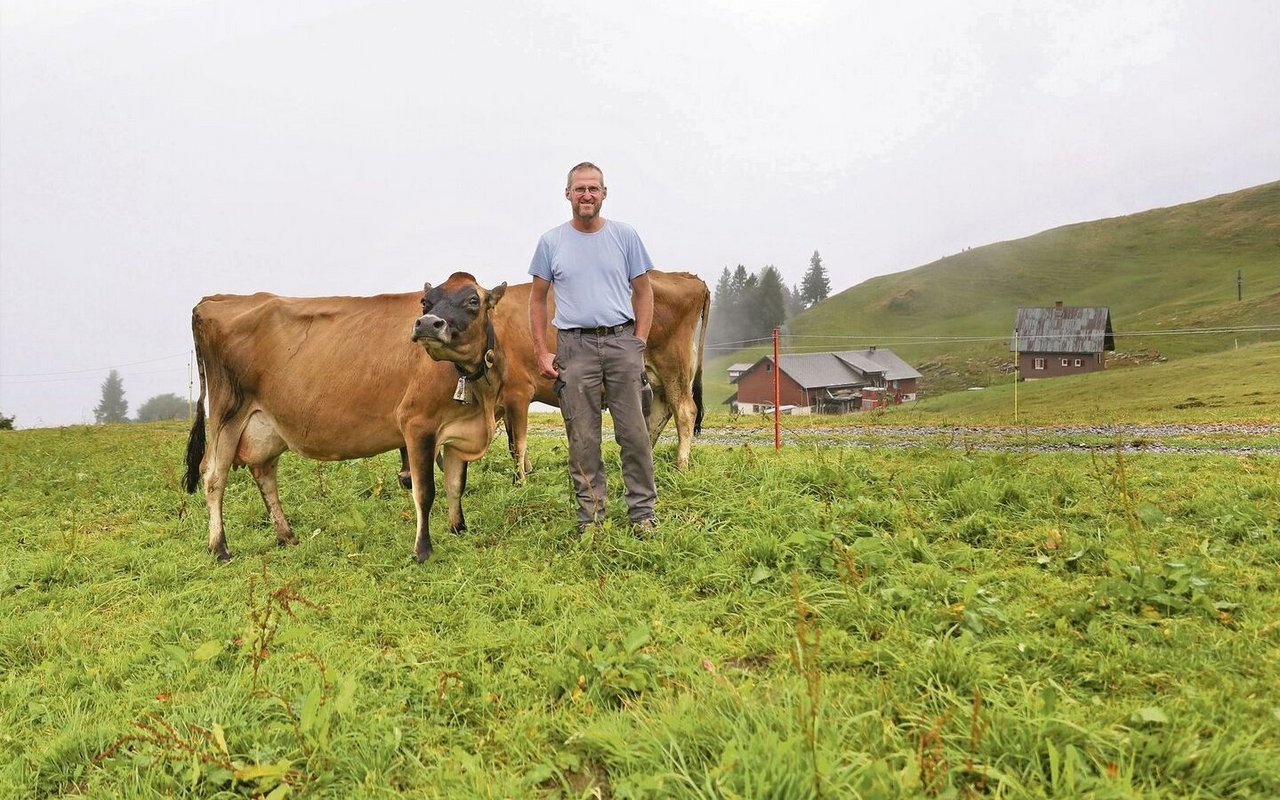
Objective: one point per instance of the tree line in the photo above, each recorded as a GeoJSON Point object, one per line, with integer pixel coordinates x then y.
{"type": "Point", "coordinates": [114, 408]}
{"type": "Point", "coordinates": [748, 306]}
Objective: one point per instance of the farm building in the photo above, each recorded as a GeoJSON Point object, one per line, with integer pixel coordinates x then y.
{"type": "Point", "coordinates": [1061, 340]}
{"type": "Point", "coordinates": [827, 383]}
{"type": "Point", "coordinates": [736, 370]}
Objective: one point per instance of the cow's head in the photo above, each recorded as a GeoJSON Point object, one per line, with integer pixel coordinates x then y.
{"type": "Point", "coordinates": [455, 325]}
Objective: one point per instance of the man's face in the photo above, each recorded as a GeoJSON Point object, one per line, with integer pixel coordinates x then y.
{"type": "Point", "coordinates": [586, 194]}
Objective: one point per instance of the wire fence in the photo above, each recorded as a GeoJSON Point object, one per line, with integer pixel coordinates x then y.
{"type": "Point", "coordinates": [822, 342]}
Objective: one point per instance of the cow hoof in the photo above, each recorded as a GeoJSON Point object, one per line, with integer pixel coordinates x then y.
{"type": "Point", "coordinates": [422, 555]}
{"type": "Point", "coordinates": [292, 540]}
{"type": "Point", "coordinates": [224, 555]}
{"type": "Point", "coordinates": [406, 481]}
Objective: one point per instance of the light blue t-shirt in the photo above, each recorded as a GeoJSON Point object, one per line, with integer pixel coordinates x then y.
{"type": "Point", "coordinates": [591, 273]}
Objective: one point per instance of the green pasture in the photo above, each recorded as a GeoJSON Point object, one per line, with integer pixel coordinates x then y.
{"type": "Point", "coordinates": [825, 621]}
{"type": "Point", "coordinates": [1236, 386]}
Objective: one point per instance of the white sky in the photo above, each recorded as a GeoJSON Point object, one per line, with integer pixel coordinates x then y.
{"type": "Point", "coordinates": [155, 151]}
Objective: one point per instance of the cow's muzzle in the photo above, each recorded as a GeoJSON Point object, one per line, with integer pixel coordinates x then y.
{"type": "Point", "coordinates": [429, 326]}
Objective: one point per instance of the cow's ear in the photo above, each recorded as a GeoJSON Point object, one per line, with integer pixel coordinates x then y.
{"type": "Point", "coordinates": [495, 294]}
{"type": "Point", "coordinates": [426, 287]}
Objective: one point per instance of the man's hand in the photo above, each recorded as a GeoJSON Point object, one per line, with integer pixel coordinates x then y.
{"type": "Point", "coordinates": [546, 360]}
{"type": "Point", "coordinates": [547, 365]}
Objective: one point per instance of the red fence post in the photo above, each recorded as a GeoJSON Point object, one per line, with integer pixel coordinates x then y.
{"type": "Point", "coordinates": [777, 394]}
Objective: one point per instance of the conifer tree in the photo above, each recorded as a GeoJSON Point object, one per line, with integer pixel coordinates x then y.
{"type": "Point", "coordinates": [113, 407]}
{"type": "Point", "coordinates": [815, 287]}
{"type": "Point", "coordinates": [771, 301]}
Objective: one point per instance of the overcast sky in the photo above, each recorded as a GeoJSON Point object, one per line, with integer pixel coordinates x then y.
{"type": "Point", "coordinates": [155, 151]}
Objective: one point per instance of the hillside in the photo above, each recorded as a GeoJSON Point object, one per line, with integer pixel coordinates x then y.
{"type": "Point", "coordinates": [1163, 273]}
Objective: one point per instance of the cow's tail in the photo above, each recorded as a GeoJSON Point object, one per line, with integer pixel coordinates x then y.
{"type": "Point", "coordinates": [702, 345]}
{"type": "Point", "coordinates": [196, 441]}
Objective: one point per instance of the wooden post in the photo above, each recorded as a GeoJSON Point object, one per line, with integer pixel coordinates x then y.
{"type": "Point", "coordinates": [1017, 373]}
{"type": "Point", "coordinates": [777, 394]}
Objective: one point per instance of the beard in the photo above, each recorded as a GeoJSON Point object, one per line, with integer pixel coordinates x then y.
{"type": "Point", "coordinates": [586, 211]}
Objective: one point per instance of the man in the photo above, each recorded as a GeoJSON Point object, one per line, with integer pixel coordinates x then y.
{"type": "Point", "coordinates": [604, 308]}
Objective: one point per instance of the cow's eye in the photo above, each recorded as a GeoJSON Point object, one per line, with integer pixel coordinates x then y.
{"type": "Point", "coordinates": [426, 305]}
{"type": "Point", "coordinates": [474, 302]}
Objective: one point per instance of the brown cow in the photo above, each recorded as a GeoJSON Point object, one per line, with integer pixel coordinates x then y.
{"type": "Point", "coordinates": [336, 378]}
{"type": "Point", "coordinates": [673, 360]}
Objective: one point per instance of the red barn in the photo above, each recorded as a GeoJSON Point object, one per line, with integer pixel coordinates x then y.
{"type": "Point", "coordinates": [827, 383]}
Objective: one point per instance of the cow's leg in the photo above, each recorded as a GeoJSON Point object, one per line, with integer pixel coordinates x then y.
{"type": "Point", "coordinates": [265, 476]}
{"type": "Point", "coordinates": [406, 482]}
{"type": "Point", "coordinates": [685, 412]}
{"type": "Point", "coordinates": [421, 454]}
{"type": "Point", "coordinates": [659, 413]}
{"type": "Point", "coordinates": [259, 448]}
{"type": "Point", "coordinates": [516, 416]}
{"type": "Point", "coordinates": [405, 479]}
{"type": "Point", "coordinates": [217, 464]}
{"type": "Point", "coordinates": [455, 483]}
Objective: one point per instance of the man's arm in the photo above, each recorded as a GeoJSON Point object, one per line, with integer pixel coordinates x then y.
{"type": "Point", "coordinates": [538, 327]}
{"type": "Point", "coordinates": [641, 305]}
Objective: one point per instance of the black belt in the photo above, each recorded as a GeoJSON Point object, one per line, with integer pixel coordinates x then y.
{"type": "Point", "coordinates": [600, 330]}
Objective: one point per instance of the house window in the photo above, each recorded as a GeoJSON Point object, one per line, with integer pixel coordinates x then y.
{"type": "Point", "coordinates": [1078, 363]}
{"type": "Point", "coordinates": [1064, 362]}
{"type": "Point", "coordinates": [1039, 363]}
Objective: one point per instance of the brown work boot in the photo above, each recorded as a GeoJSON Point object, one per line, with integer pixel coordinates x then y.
{"type": "Point", "coordinates": [644, 527]}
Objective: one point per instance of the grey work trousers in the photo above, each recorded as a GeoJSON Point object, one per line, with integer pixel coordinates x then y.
{"type": "Point", "coordinates": [613, 363]}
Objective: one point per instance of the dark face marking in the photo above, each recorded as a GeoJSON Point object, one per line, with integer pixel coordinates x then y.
{"type": "Point", "coordinates": [448, 326]}
{"type": "Point", "coordinates": [458, 307]}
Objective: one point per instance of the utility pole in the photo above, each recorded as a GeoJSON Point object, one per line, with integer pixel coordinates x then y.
{"type": "Point", "coordinates": [1239, 285]}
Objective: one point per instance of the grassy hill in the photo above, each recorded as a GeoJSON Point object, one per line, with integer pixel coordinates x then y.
{"type": "Point", "coordinates": [1164, 273]}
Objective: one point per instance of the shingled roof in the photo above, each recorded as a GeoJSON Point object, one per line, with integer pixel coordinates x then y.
{"type": "Point", "coordinates": [1063, 329]}
{"type": "Point", "coordinates": [846, 368]}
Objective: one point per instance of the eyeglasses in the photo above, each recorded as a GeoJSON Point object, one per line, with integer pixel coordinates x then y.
{"type": "Point", "coordinates": [581, 190]}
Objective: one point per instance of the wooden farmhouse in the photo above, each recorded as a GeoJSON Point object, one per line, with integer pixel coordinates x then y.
{"type": "Point", "coordinates": [827, 383]}
{"type": "Point", "coordinates": [1061, 340]}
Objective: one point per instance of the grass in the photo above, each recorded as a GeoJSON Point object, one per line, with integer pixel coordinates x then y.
{"type": "Point", "coordinates": [1238, 386]}
{"type": "Point", "coordinates": [820, 622]}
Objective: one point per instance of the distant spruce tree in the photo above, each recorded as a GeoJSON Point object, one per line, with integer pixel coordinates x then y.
{"type": "Point", "coordinates": [748, 306]}
{"type": "Point", "coordinates": [733, 307]}
{"type": "Point", "coordinates": [815, 287]}
{"type": "Point", "coordinates": [724, 316]}
{"type": "Point", "coordinates": [163, 406]}
{"type": "Point", "coordinates": [794, 304]}
{"type": "Point", "coordinates": [771, 301]}
{"type": "Point", "coordinates": [6, 423]}
{"type": "Point", "coordinates": [113, 407]}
